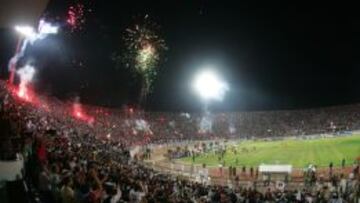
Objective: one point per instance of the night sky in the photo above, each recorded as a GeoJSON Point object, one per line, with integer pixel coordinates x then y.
{"type": "Point", "coordinates": [273, 56]}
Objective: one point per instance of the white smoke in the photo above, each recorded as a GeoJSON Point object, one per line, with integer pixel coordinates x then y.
{"type": "Point", "coordinates": [26, 75]}
{"type": "Point", "coordinates": [206, 124]}
{"type": "Point", "coordinates": [142, 125]}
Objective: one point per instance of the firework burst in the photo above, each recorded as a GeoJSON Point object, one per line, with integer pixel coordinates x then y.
{"type": "Point", "coordinates": [144, 49]}
{"type": "Point", "coordinates": [75, 16]}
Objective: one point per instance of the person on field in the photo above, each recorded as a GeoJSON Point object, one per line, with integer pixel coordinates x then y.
{"type": "Point", "coordinates": [331, 168]}
{"type": "Point", "coordinates": [221, 169]}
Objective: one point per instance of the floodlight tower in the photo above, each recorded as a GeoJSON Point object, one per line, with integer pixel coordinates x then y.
{"type": "Point", "coordinates": [209, 87]}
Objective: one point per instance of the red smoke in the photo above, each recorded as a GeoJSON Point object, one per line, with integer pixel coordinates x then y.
{"type": "Point", "coordinates": [79, 113]}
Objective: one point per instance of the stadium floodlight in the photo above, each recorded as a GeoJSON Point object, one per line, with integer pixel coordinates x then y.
{"type": "Point", "coordinates": [209, 86]}
{"type": "Point", "coordinates": [46, 28]}
{"type": "Point", "coordinates": [27, 31]}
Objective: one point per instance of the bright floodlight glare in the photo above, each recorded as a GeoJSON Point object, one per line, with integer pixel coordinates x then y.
{"type": "Point", "coordinates": [27, 31]}
{"type": "Point", "coordinates": [47, 28]}
{"type": "Point", "coordinates": [209, 86]}
{"type": "Point", "coordinates": [44, 30]}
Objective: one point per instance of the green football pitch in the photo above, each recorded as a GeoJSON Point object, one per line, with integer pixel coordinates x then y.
{"type": "Point", "coordinates": [298, 153]}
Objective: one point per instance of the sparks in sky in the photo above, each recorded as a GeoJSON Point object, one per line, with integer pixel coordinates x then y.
{"type": "Point", "coordinates": [144, 49]}
{"type": "Point", "coordinates": [144, 46]}
{"type": "Point", "coordinates": [144, 57]}
{"type": "Point", "coordinates": [75, 16]}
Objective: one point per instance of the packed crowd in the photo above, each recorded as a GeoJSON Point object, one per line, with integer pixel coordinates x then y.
{"type": "Point", "coordinates": [68, 160]}
{"type": "Point", "coordinates": [184, 126]}
{"type": "Point", "coordinates": [157, 127]}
